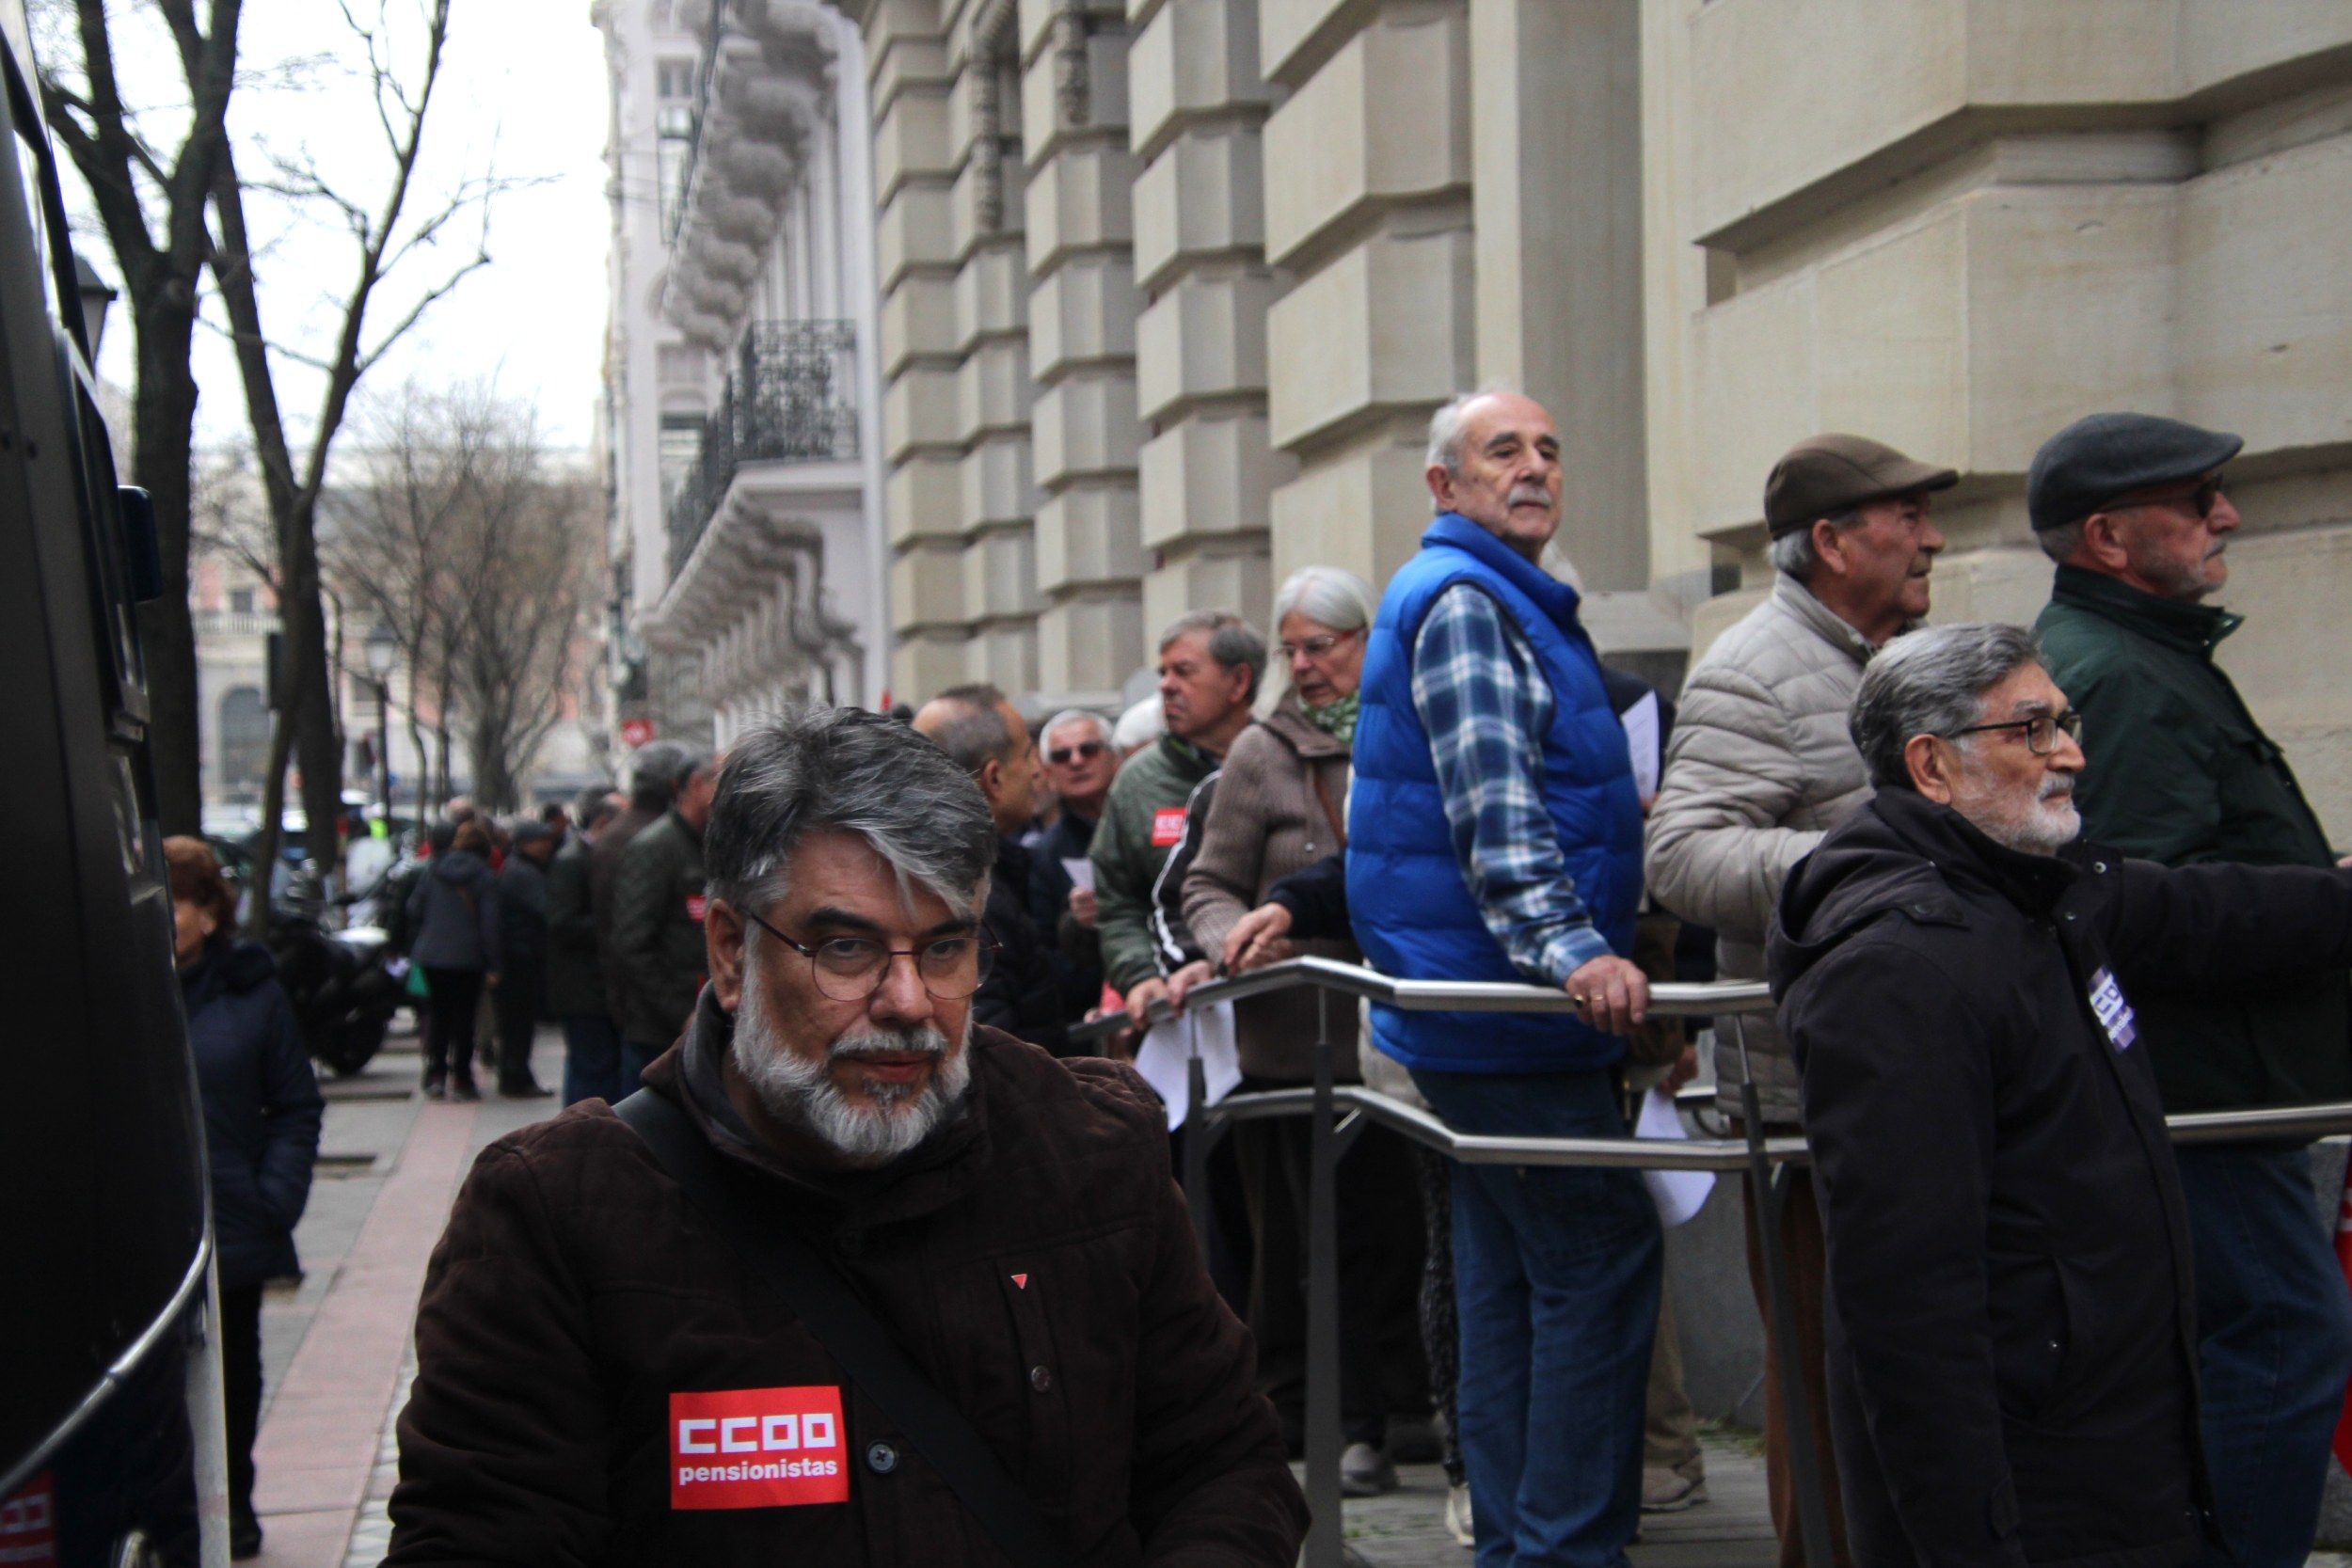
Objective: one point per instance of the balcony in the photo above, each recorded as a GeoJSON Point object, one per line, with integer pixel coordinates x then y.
{"type": "Point", "coordinates": [791, 398]}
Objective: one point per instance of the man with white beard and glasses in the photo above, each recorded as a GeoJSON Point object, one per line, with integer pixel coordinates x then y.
{"type": "Point", "coordinates": [2011, 1323]}
{"type": "Point", "coordinates": [849, 1281]}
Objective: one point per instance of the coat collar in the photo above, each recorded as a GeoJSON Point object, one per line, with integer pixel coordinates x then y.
{"type": "Point", "coordinates": [2193, 628]}
{"type": "Point", "coordinates": [1832, 628]}
{"type": "Point", "coordinates": [1556, 599]}
{"type": "Point", "coordinates": [1289, 724]}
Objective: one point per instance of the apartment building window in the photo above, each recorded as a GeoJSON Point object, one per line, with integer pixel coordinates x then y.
{"type": "Point", "coordinates": [674, 131]}
{"type": "Point", "coordinates": [241, 601]}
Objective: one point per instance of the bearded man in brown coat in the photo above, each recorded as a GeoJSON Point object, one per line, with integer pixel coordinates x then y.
{"type": "Point", "coordinates": [607, 1374]}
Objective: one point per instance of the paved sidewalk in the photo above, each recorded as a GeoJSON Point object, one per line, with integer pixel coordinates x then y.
{"type": "Point", "coordinates": [335, 1351]}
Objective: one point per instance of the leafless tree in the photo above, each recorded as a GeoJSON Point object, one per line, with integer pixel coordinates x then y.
{"type": "Point", "coordinates": [462, 540]}
{"type": "Point", "coordinates": [150, 200]}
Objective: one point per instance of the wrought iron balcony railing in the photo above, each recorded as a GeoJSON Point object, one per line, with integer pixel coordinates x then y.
{"type": "Point", "coordinates": [790, 398]}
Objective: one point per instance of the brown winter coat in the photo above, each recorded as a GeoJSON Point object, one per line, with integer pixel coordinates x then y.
{"type": "Point", "coordinates": [1033, 1257]}
{"type": "Point", "coordinates": [1268, 821]}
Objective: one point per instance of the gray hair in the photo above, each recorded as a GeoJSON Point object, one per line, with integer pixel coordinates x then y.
{"type": "Point", "coordinates": [1793, 554]}
{"type": "Point", "coordinates": [1328, 594]}
{"type": "Point", "coordinates": [978, 734]}
{"type": "Point", "coordinates": [844, 770]}
{"type": "Point", "coordinates": [1231, 641]}
{"type": "Point", "coordinates": [1931, 682]}
{"type": "Point", "coordinates": [2060, 543]}
{"type": "Point", "coordinates": [659, 769]}
{"type": "Point", "coordinates": [1077, 716]}
{"type": "Point", "coordinates": [1445, 432]}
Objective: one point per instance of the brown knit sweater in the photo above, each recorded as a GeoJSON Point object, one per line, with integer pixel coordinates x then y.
{"type": "Point", "coordinates": [1266, 822]}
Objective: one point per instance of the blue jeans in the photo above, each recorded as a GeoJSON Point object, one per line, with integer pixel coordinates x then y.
{"type": "Point", "coordinates": [2274, 1327]}
{"type": "Point", "coordinates": [592, 1058]}
{"type": "Point", "coordinates": [1556, 1275]}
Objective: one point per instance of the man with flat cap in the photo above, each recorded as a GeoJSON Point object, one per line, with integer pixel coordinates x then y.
{"type": "Point", "coordinates": [1761, 765]}
{"type": "Point", "coordinates": [2131, 507]}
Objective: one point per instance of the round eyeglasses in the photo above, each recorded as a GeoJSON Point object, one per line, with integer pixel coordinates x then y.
{"type": "Point", "coordinates": [2042, 730]}
{"type": "Point", "coordinates": [852, 969]}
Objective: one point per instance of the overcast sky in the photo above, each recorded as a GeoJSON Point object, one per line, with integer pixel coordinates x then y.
{"type": "Point", "coordinates": [522, 89]}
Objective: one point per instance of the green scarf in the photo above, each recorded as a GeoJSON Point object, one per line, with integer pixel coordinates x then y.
{"type": "Point", "coordinates": [1335, 719]}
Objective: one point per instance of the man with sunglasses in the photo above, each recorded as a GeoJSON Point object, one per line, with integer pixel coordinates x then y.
{"type": "Point", "coordinates": [2133, 509]}
{"type": "Point", "coordinates": [613, 1367]}
{"type": "Point", "coordinates": [1080, 764]}
{"type": "Point", "coordinates": [1969, 986]}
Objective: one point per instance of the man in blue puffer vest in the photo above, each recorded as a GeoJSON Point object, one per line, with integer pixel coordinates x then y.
{"type": "Point", "coordinates": [1495, 835]}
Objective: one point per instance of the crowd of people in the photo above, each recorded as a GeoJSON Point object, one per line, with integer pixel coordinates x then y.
{"type": "Point", "coordinates": [2018, 891]}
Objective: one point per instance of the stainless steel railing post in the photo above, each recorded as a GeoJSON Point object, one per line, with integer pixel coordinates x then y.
{"type": "Point", "coordinates": [1326, 1533]}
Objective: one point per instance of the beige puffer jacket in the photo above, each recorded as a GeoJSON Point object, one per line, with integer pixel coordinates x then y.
{"type": "Point", "coordinates": [1760, 765]}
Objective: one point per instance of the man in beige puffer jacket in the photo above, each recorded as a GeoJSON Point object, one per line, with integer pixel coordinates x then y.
{"type": "Point", "coordinates": [1760, 765]}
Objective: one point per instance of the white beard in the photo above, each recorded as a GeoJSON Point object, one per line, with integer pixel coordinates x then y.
{"type": "Point", "coordinates": [865, 1132]}
{"type": "Point", "coordinates": [2041, 826]}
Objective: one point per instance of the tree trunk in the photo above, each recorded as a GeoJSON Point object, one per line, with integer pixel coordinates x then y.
{"type": "Point", "coordinates": [163, 423]}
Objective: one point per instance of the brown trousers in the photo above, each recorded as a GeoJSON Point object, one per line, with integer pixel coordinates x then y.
{"type": "Point", "coordinates": [1808, 1264]}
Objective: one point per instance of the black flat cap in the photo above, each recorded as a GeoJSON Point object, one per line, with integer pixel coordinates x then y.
{"type": "Point", "coordinates": [2103, 457]}
{"type": "Point", "coordinates": [1836, 473]}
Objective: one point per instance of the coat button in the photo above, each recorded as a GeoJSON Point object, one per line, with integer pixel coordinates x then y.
{"type": "Point", "coordinates": [2098, 865]}
{"type": "Point", "coordinates": [1041, 1379]}
{"type": "Point", "coordinates": [881, 1458]}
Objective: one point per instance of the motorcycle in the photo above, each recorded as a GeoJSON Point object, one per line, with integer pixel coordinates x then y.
{"type": "Point", "coordinates": [344, 984]}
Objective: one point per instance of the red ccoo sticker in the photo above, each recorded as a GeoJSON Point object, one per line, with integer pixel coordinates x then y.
{"type": "Point", "coordinates": [1168, 826]}
{"type": "Point", "coordinates": [1020, 1281]}
{"type": "Point", "coordinates": [757, 1447]}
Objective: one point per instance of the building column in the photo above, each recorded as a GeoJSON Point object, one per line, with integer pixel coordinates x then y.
{"type": "Point", "coordinates": [1209, 470]}
{"type": "Point", "coordinates": [1368, 171]}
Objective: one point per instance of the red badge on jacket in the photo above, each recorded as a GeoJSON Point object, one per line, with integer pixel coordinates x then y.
{"type": "Point", "coordinates": [697, 906]}
{"type": "Point", "coordinates": [757, 1447]}
{"type": "Point", "coordinates": [1168, 826]}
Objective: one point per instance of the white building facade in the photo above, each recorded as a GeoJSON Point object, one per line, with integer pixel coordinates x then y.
{"type": "Point", "coordinates": [742, 426]}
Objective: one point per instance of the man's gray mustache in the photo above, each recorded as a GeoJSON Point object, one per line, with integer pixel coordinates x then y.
{"type": "Point", "coordinates": [924, 1042]}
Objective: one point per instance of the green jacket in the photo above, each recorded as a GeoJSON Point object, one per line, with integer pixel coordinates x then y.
{"type": "Point", "coordinates": [1142, 818]}
{"type": "Point", "coordinates": [575, 976]}
{"type": "Point", "coordinates": [657, 930]}
{"type": "Point", "coordinates": [2179, 772]}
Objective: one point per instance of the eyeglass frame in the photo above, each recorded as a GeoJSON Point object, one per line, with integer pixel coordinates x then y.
{"type": "Point", "coordinates": [985, 951]}
{"type": "Point", "coordinates": [2202, 501]}
{"type": "Point", "coordinates": [2069, 722]}
{"type": "Point", "coordinates": [1329, 641]}
{"type": "Point", "coordinates": [1084, 751]}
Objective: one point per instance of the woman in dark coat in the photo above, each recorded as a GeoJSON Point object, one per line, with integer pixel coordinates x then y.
{"type": "Point", "coordinates": [454, 913]}
{"type": "Point", "coordinates": [262, 1115]}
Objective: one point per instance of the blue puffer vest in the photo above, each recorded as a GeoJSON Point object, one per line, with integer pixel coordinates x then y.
{"type": "Point", "coordinates": [1413, 916]}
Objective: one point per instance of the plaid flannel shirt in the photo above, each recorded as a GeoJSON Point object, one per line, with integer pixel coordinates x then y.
{"type": "Point", "coordinates": [1484, 703]}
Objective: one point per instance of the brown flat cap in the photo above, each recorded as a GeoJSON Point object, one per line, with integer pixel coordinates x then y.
{"type": "Point", "coordinates": [1835, 473]}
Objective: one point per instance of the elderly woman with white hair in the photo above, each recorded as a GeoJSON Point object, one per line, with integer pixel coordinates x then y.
{"type": "Point", "coordinates": [1279, 809]}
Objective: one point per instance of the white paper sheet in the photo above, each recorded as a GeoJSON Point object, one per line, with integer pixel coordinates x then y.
{"type": "Point", "coordinates": [1167, 1047]}
{"type": "Point", "coordinates": [1080, 872]}
{"type": "Point", "coordinates": [1679, 1194]}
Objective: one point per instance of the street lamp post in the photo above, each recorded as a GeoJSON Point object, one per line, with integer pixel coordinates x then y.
{"type": "Point", "coordinates": [382, 649]}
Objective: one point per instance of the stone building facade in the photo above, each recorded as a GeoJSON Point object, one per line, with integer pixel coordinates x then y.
{"type": "Point", "coordinates": [743, 416]}
{"type": "Point", "coordinates": [1166, 290]}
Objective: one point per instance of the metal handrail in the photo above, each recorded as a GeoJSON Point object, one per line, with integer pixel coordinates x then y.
{"type": "Point", "coordinates": [1766, 1160]}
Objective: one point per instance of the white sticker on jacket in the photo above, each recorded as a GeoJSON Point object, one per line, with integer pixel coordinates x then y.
{"type": "Point", "coordinates": [2114, 1013]}
{"type": "Point", "coordinates": [756, 1448]}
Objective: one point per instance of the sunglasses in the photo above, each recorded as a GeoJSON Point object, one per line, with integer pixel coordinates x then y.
{"type": "Point", "coordinates": [2199, 502]}
{"type": "Point", "coordinates": [1062, 756]}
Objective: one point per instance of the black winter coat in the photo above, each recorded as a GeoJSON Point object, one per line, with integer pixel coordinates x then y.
{"type": "Point", "coordinates": [523, 913]}
{"type": "Point", "coordinates": [1023, 994]}
{"type": "Point", "coordinates": [1078, 954]}
{"type": "Point", "coordinates": [2011, 1343]}
{"type": "Point", "coordinates": [262, 1109]}
{"type": "Point", "coordinates": [454, 913]}
{"type": "Point", "coordinates": [575, 970]}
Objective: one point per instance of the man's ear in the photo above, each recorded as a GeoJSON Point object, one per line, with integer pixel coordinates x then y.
{"type": "Point", "coordinates": [1932, 763]}
{"type": "Point", "coordinates": [990, 779]}
{"type": "Point", "coordinates": [1440, 485]}
{"type": "Point", "coordinates": [2102, 542]}
{"type": "Point", "coordinates": [1829, 547]}
{"type": "Point", "coordinates": [722, 952]}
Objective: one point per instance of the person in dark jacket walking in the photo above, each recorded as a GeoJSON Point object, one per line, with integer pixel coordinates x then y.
{"type": "Point", "coordinates": [1021, 991]}
{"type": "Point", "coordinates": [521, 996]}
{"type": "Point", "coordinates": [262, 1116]}
{"type": "Point", "coordinates": [658, 910]}
{"type": "Point", "coordinates": [656, 771]}
{"type": "Point", "coordinates": [577, 994]}
{"type": "Point", "coordinates": [454, 912]}
{"type": "Point", "coordinates": [601, 1379]}
{"type": "Point", "coordinates": [2012, 1310]}
{"type": "Point", "coordinates": [2132, 508]}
